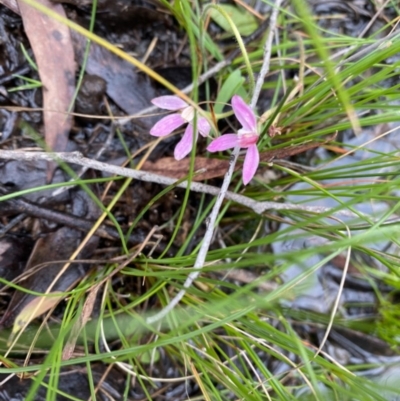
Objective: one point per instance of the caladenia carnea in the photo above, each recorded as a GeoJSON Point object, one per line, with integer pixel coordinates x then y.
{"type": "Point", "coordinates": [246, 138]}
{"type": "Point", "coordinates": [184, 115]}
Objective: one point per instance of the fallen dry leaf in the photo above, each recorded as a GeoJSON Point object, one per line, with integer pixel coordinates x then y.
{"type": "Point", "coordinates": [11, 4]}
{"type": "Point", "coordinates": [34, 308]}
{"type": "Point", "coordinates": [44, 265]}
{"type": "Point", "coordinates": [131, 91]}
{"type": "Point", "coordinates": [48, 254]}
{"type": "Point", "coordinates": [169, 167]}
{"type": "Point", "coordinates": [14, 253]}
{"type": "Point", "coordinates": [54, 54]}
{"type": "Point", "coordinates": [20, 176]}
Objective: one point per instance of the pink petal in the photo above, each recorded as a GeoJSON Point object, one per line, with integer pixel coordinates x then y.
{"type": "Point", "coordinates": [203, 126]}
{"type": "Point", "coordinates": [251, 162]}
{"type": "Point", "coordinates": [169, 102]}
{"type": "Point", "coordinates": [244, 114]}
{"type": "Point", "coordinates": [185, 145]}
{"type": "Point", "coordinates": [224, 142]}
{"type": "Point", "coordinates": [167, 124]}
{"type": "Point", "coordinates": [247, 140]}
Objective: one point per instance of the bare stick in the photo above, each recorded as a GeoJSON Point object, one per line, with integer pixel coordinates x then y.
{"type": "Point", "coordinates": [77, 158]}
{"type": "Point", "coordinates": [267, 54]}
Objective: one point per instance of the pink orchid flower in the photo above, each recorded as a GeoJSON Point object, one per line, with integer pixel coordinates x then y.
{"type": "Point", "coordinates": [246, 137]}
{"type": "Point", "coordinates": [185, 114]}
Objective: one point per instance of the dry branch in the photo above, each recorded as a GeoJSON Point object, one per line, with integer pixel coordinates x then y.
{"type": "Point", "coordinates": [79, 159]}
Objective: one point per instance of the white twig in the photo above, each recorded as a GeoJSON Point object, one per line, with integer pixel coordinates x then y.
{"type": "Point", "coordinates": [201, 256]}
{"type": "Point", "coordinates": [205, 245]}
{"type": "Point", "coordinates": [267, 54]}
{"type": "Point", "coordinates": [77, 158]}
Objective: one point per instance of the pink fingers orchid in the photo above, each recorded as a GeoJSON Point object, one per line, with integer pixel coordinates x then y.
{"type": "Point", "coordinates": [246, 137]}
{"type": "Point", "coordinates": [184, 114]}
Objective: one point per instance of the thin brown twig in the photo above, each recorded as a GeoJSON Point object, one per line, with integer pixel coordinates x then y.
{"type": "Point", "coordinates": [27, 208]}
